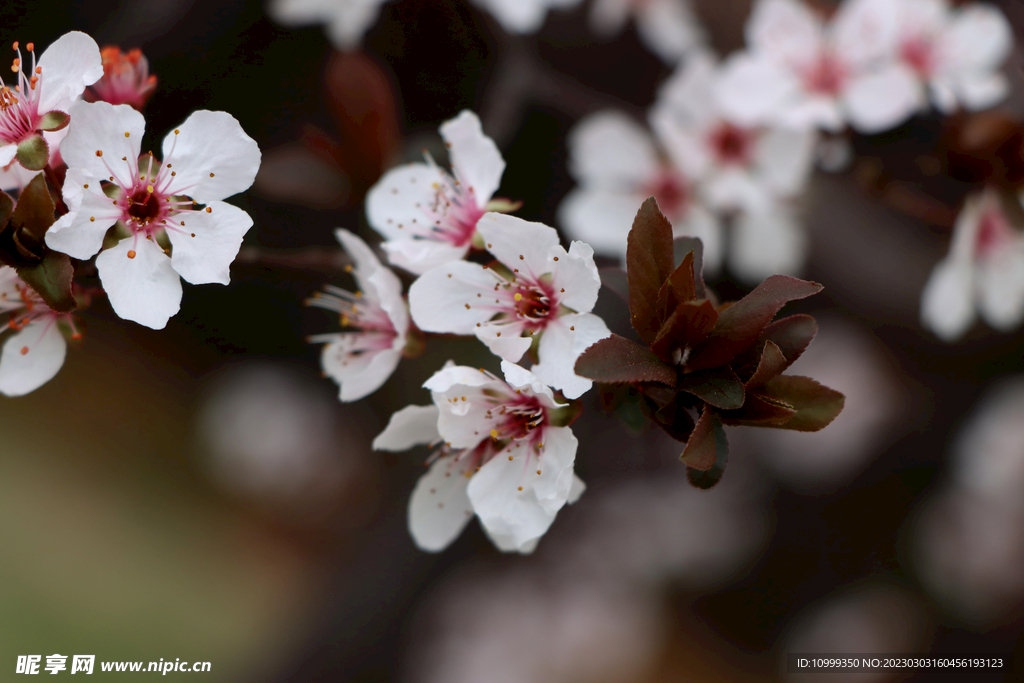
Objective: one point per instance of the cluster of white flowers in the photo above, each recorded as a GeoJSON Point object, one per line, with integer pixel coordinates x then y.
{"type": "Point", "coordinates": [668, 27]}
{"type": "Point", "coordinates": [734, 142]}
{"type": "Point", "coordinates": [534, 294]}
{"type": "Point", "coordinates": [155, 221]}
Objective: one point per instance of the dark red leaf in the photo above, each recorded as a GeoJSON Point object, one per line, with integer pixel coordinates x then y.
{"type": "Point", "coordinates": [34, 211]}
{"type": "Point", "coordinates": [701, 451]}
{"type": "Point", "coordinates": [759, 411]}
{"type": "Point", "coordinates": [649, 262]}
{"type": "Point", "coordinates": [815, 405]}
{"type": "Point", "coordinates": [720, 387]}
{"type": "Point", "coordinates": [792, 334]}
{"type": "Point", "coordinates": [678, 288]}
{"type": "Point", "coordinates": [688, 325]}
{"type": "Point", "coordinates": [52, 278]}
{"type": "Point", "coordinates": [771, 365]}
{"type": "Point", "coordinates": [684, 245]}
{"type": "Point", "coordinates": [740, 325]}
{"type": "Point", "coordinates": [617, 359]}
{"type": "Point", "coordinates": [674, 420]}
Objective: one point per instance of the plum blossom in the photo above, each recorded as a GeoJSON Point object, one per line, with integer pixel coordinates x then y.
{"type": "Point", "coordinates": [429, 217]}
{"type": "Point", "coordinates": [34, 354]}
{"type": "Point", "coordinates": [40, 99]}
{"type": "Point", "coordinates": [362, 360]}
{"type": "Point", "coordinates": [983, 272]}
{"type": "Point", "coordinates": [154, 205]}
{"type": "Point", "coordinates": [952, 55]}
{"type": "Point", "coordinates": [618, 165]}
{"type": "Point", "coordinates": [502, 455]}
{"type": "Point", "coordinates": [668, 27]}
{"type": "Point", "coordinates": [347, 20]}
{"type": "Point", "coordinates": [126, 79]}
{"type": "Point", "coordinates": [536, 290]}
{"type": "Point", "coordinates": [801, 72]}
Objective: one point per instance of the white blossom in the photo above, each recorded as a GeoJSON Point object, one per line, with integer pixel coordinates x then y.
{"type": "Point", "coordinates": [618, 165]}
{"type": "Point", "coordinates": [501, 457]}
{"type": "Point", "coordinates": [983, 272]}
{"type": "Point", "coordinates": [523, 16]}
{"type": "Point", "coordinates": [64, 70]}
{"type": "Point", "coordinates": [539, 290]}
{"type": "Point", "coordinates": [426, 215]}
{"type": "Point", "coordinates": [347, 20]}
{"type": "Point", "coordinates": [35, 352]}
{"type": "Point", "coordinates": [154, 205]}
{"type": "Point", "coordinates": [668, 27]}
{"type": "Point", "coordinates": [363, 359]}
{"type": "Point", "coordinates": [800, 72]}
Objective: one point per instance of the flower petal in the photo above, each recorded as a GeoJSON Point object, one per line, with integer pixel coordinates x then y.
{"type": "Point", "coordinates": [7, 154]}
{"type": "Point", "coordinates": [520, 245]}
{"type": "Point", "coordinates": [504, 340]}
{"type": "Point", "coordinates": [883, 99]}
{"type": "Point", "coordinates": [420, 255]}
{"type": "Point", "coordinates": [751, 90]}
{"type": "Point", "coordinates": [611, 150]}
{"type": "Point", "coordinates": [978, 39]}
{"type": "Point", "coordinates": [207, 243]}
{"type": "Point", "coordinates": [512, 500]}
{"type": "Point", "coordinates": [785, 31]}
{"type": "Point", "coordinates": [562, 342]}
{"type": "Point", "coordinates": [146, 288]}
{"type": "Point", "coordinates": [601, 218]}
{"type": "Point", "coordinates": [784, 158]}
{"type": "Point", "coordinates": [408, 427]}
{"type": "Point", "coordinates": [445, 299]}
{"type": "Point", "coordinates": [101, 127]}
{"type": "Point", "coordinates": [439, 508]}
{"type": "Point", "coordinates": [80, 233]}
{"type": "Point", "coordinates": [358, 373]}
{"type": "Point", "coordinates": [1001, 287]}
{"type": "Point", "coordinates": [71, 63]}
{"type": "Point", "coordinates": [31, 357]}
{"type": "Point", "coordinates": [475, 158]}
{"type": "Point", "coordinates": [397, 203]}
{"type": "Point", "coordinates": [212, 157]}
{"type": "Point", "coordinates": [766, 243]}
{"type": "Point", "coordinates": [947, 301]}
{"type": "Point", "coordinates": [575, 273]}
{"type": "Point", "coordinates": [669, 28]}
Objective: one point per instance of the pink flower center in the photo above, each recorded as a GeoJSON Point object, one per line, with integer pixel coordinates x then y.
{"type": "Point", "coordinates": [523, 302]}
{"type": "Point", "coordinates": [825, 76]}
{"type": "Point", "coordinates": [671, 191]}
{"type": "Point", "coordinates": [731, 144]}
{"type": "Point", "coordinates": [517, 417]}
{"type": "Point", "coordinates": [373, 329]}
{"type": "Point", "coordinates": [452, 215]}
{"type": "Point", "coordinates": [28, 308]}
{"type": "Point", "coordinates": [19, 108]}
{"type": "Point", "coordinates": [919, 53]}
{"type": "Point", "coordinates": [994, 232]}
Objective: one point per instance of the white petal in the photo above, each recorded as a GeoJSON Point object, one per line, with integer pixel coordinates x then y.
{"type": "Point", "coordinates": [784, 157]}
{"type": "Point", "coordinates": [980, 91]}
{"type": "Point", "coordinates": [751, 91]}
{"type": "Point", "coordinates": [865, 32]}
{"type": "Point", "coordinates": [785, 31]}
{"type": "Point", "coordinates": [578, 487]}
{"type": "Point", "coordinates": [600, 218]}
{"type": "Point", "coordinates": [71, 63]}
{"type": "Point", "coordinates": [21, 373]}
{"type": "Point", "coordinates": [203, 252]}
{"type": "Point", "coordinates": [669, 28]}
{"type": "Point", "coordinates": [451, 375]}
{"type": "Point", "coordinates": [80, 233]}
{"type": "Point", "coordinates": [522, 16]}
{"type": "Point", "coordinates": [1001, 287]}
{"type": "Point", "coordinates": [561, 346]}
{"type": "Point", "coordinates": [810, 110]}
{"type": "Point", "coordinates": [7, 154]}
{"type": "Point", "coordinates": [418, 256]}
{"type": "Point", "coordinates": [397, 202]}
{"type": "Point", "coordinates": [685, 143]}
{"type": "Point", "coordinates": [98, 126]}
{"type": "Point", "coordinates": [212, 157]}
{"type": "Point", "coordinates": [351, 21]}
{"type": "Point", "coordinates": [439, 508]}
{"type": "Point", "coordinates": [611, 150]}
{"type": "Point", "coordinates": [364, 262]}
{"type": "Point", "coordinates": [504, 340]}
{"type": "Point", "coordinates": [767, 243]}
{"type": "Point", "coordinates": [523, 379]}
{"type": "Point", "coordinates": [145, 289]}
{"type": "Point", "coordinates": [947, 301]}
{"type": "Point", "coordinates": [608, 17]}
{"type": "Point", "coordinates": [10, 294]}
{"type": "Point", "coordinates": [576, 273]}
{"type": "Point", "coordinates": [734, 188]}
{"type": "Point", "coordinates": [883, 99]}
{"type": "Point", "coordinates": [408, 427]}
{"type": "Point", "coordinates": [475, 158]}
{"type": "Point", "coordinates": [689, 93]}
{"type": "Point", "coordinates": [389, 293]}
{"type": "Point", "coordinates": [517, 243]}
{"type": "Point", "coordinates": [524, 515]}
{"type": "Point", "coordinates": [978, 39]}
{"type": "Point", "coordinates": [445, 299]}
{"type": "Point", "coordinates": [359, 374]}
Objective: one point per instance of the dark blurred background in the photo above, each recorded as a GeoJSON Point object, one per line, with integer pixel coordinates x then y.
{"type": "Point", "coordinates": [198, 492]}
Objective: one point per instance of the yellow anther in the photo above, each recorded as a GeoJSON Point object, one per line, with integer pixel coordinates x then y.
{"type": "Point", "coordinates": [518, 297]}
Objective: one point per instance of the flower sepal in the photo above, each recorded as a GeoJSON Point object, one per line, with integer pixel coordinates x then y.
{"type": "Point", "coordinates": [33, 153]}
{"type": "Point", "coordinates": [53, 120]}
